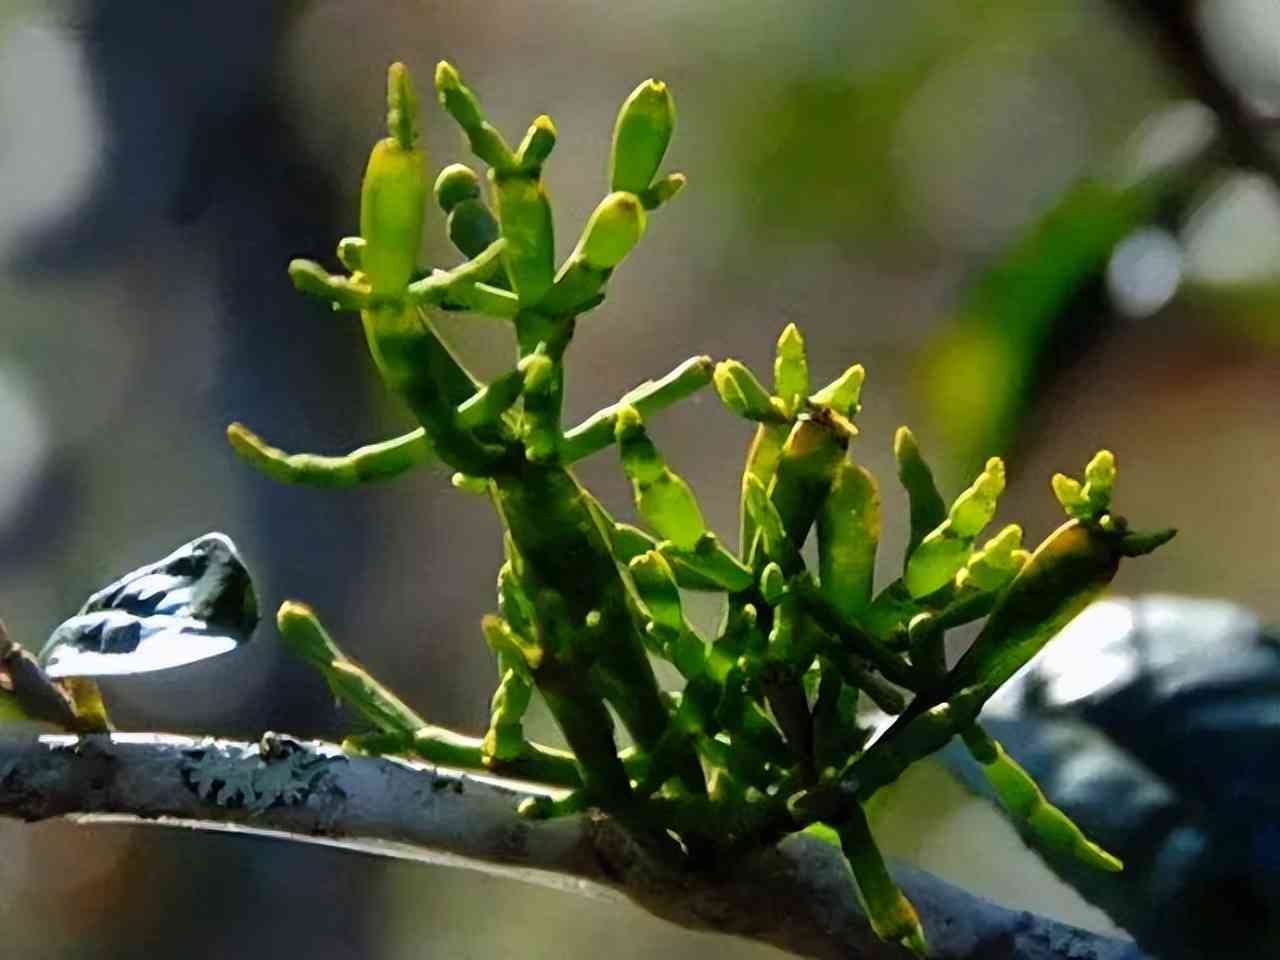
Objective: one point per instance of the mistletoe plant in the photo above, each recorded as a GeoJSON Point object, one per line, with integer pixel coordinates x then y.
{"type": "Point", "coordinates": [772, 730]}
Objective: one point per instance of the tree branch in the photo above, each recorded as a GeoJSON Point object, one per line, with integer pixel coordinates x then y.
{"type": "Point", "coordinates": [797, 896]}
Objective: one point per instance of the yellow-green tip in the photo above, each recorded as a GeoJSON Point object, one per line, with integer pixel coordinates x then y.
{"type": "Point", "coordinates": [663, 190]}
{"type": "Point", "coordinates": [243, 440]}
{"type": "Point", "coordinates": [904, 445]}
{"type": "Point", "coordinates": [304, 635]}
{"type": "Point", "coordinates": [628, 422]}
{"type": "Point", "coordinates": [293, 614]}
{"type": "Point", "coordinates": [1099, 858]}
{"type": "Point", "coordinates": [402, 106]}
{"type": "Point", "coordinates": [615, 227]}
{"type": "Point", "coordinates": [790, 341]}
{"type": "Point", "coordinates": [456, 184]}
{"type": "Point", "coordinates": [447, 76]}
{"type": "Point", "coordinates": [843, 393]}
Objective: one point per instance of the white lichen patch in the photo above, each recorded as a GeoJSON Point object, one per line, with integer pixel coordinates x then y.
{"type": "Point", "coordinates": [276, 772]}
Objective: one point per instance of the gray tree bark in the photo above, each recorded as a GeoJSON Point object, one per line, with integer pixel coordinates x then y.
{"type": "Point", "coordinates": [798, 895]}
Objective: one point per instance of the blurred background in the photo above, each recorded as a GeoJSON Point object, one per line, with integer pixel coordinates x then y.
{"type": "Point", "coordinates": [1016, 216]}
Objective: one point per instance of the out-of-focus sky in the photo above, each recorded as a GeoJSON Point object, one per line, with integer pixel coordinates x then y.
{"type": "Point", "coordinates": [854, 167]}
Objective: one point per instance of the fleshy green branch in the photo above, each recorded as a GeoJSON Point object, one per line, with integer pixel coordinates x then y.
{"type": "Point", "coordinates": [468, 287]}
{"type": "Point", "coordinates": [376, 461]}
{"type": "Point", "coordinates": [461, 104]}
{"type": "Point", "coordinates": [401, 730]}
{"type": "Point", "coordinates": [341, 293]}
{"type": "Point", "coordinates": [855, 639]}
{"type": "Point", "coordinates": [892, 916]}
{"type": "Point", "coordinates": [927, 507]}
{"type": "Point", "coordinates": [306, 638]}
{"type": "Point", "coordinates": [651, 397]}
{"type": "Point", "coordinates": [1048, 826]}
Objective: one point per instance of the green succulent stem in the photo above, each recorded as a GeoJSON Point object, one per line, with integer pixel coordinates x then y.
{"type": "Point", "coordinates": [649, 398]}
{"type": "Point", "coordinates": [1045, 824]}
{"type": "Point", "coordinates": [376, 461]}
{"type": "Point", "coordinates": [763, 735]}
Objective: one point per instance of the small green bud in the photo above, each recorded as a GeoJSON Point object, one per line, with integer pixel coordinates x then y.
{"type": "Point", "coordinates": [742, 393]}
{"type": "Point", "coordinates": [656, 585]}
{"type": "Point", "coordinates": [456, 183]}
{"type": "Point", "coordinates": [536, 808]}
{"type": "Point", "coordinates": [1069, 494]}
{"type": "Point", "coordinates": [766, 518]}
{"type": "Point", "coordinates": [640, 458]}
{"type": "Point", "coordinates": [541, 424]}
{"type": "Point", "coordinates": [537, 144]}
{"type": "Point", "coordinates": [468, 484]}
{"type": "Point", "coordinates": [1101, 470]}
{"type": "Point", "coordinates": [662, 497]}
{"type": "Point", "coordinates": [1090, 501]}
{"type": "Point", "coordinates": [843, 393]}
{"type": "Point", "coordinates": [1000, 549]}
{"type": "Point", "coordinates": [504, 641]}
{"type": "Point", "coordinates": [927, 507]}
{"type": "Point", "coordinates": [773, 584]}
{"type": "Point", "coordinates": [975, 507]}
{"type": "Point", "coordinates": [932, 564]}
{"type": "Point", "coordinates": [402, 106]}
{"type": "Point", "coordinates": [791, 369]}
{"type": "Point", "coordinates": [539, 370]}
{"type": "Point", "coordinates": [505, 738]}
{"type": "Point", "coordinates": [997, 562]}
{"type": "Point", "coordinates": [663, 190]}
{"type": "Point", "coordinates": [351, 253]}
{"type": "Point", "coordinates": [784, 638]}
{"type": "Point", "coordinates": [1100, 480]}
{"type": "Point", "coordinates": [640, 136]}
{"type": "Point", "coordinates": [516, 607]}
{"type": "Point", "coordinates": [615, 227]}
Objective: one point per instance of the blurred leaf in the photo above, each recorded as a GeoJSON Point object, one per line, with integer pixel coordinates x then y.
{"type": "Point", "coordinates": [196, 603]}
{"type": "Point", "coordinates": [827, 164]}
{"type": "Point", "coordinates": [1152, 722]}
{"type": "Point", "coordinates": [1042, 303]}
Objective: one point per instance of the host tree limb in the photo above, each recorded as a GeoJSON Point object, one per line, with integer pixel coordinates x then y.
{"type": "Point", "coordinates": [797, 895]}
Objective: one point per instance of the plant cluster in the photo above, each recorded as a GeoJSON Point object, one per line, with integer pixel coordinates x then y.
{"type": "Point", "coordinates": [771, 732]}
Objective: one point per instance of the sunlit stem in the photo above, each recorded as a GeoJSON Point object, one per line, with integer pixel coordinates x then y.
{"type": "Point", "coordinates": [376, 461]}
{"type": "Point", "coordinates": [653, 396]}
